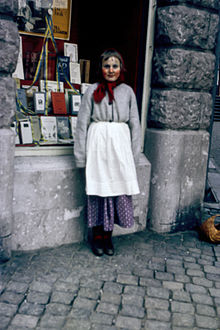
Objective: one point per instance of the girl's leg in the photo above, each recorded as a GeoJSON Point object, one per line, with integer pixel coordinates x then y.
{"type": "Point", "coordinates": [97, 240]}
{"type": "Point", "coordinates": [100, 216]}
{"type": "Point", "coordinates": [95, 222]}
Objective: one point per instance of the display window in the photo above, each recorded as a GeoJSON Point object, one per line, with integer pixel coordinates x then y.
{"type": "Point", "coordinates": [60, 44]}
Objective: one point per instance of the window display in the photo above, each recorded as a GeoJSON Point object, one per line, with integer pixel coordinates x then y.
{"type": "Point", "coordinates": [31, 17]}
{"type": "Point", "coordinates": [49, 98]}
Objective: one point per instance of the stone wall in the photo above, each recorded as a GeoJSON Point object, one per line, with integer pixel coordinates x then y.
{"type": "Point", "coordinates": [9, 48]}
{"type": "Point", "coordinates": [177, 141]}
{"type": "Point", "coordinates": [49, 202]}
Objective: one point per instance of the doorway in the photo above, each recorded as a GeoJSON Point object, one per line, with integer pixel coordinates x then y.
{"type": "Point", "coordinates": [118, 24]}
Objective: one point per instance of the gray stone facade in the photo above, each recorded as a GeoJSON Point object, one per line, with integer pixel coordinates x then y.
{"type": "Point", "coordinates": [9, 45]}
{"type": "Point", "coordinates": [177, 141]}
{"type": "Point", "coordinates": [36, 215]}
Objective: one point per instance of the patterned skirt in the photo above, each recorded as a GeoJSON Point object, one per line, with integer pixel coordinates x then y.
{"type": "Point", "coordinates": [107, 211]}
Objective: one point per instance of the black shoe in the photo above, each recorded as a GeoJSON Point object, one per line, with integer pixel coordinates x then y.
{"type": "Point", "coordinates": [97, 247]}
{"type": "Point", "coordinates": [108, 247]}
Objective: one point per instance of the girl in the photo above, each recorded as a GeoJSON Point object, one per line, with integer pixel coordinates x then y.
{"type": "Point", "coordinates": [107, 144]}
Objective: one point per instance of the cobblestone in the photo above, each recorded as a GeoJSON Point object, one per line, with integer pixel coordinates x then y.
{"type": "Point", "coordinates": [127, 279]}
{"type": "Point", "coordinates": [111, 298]}
{"type": "Point", "coordinates": [102, 318]}
{"type": "Point", "coordinates": [181, 295]}
{"type": "Point", "coordinates": [49, 321]}
{"type": "Point", "coordinates": [107, 308]}
{"type": "Point", "coordinates": [202, 299]}
{"type": "Point", "coordinates": [125, 322]}
{"type": "Point", "coordinates": [207, 322]}
{"type": "Point", "coordinates": [182, 278]}
{"type": "Point", "coordinates": [182, 307]}
{"type": "Point", "coordinates": [158, 292]}
{"type": "Point", "coordinates": [134, 290]}
{"type": "Point", "coordinates": [37, 297]}
{"type": "Point", "coordinates": [62, 297]}
{"type": "Point", "coordinates": [202, 281]}
{"type": "Point", "coordinates": [158, 314]}
{"type": "Point", "coordinates": [133, 311]}
{"type": "Point", "coordinates": [164, 276]}
{"type": "Point", "coordinates": [149, 282]}
{"type": "Point", "coordinates": [132, 300]}
{"type": "Point", "coordinates": [21, 320]}
{"type": "Point", "coordinates": [69, 288]}
{"type": "Point", "coordinates": [152, 325]}
{"type": "Point", "coordinates": [172, 285]}
{"type": "Point", "coordinates": [183, 320]}
{"type": "Point", "coordinates": [31, 309]}
{"type": "Point", "coordinates": [156, 303]}
{"type": "Point", "coordinates": [205, 310]}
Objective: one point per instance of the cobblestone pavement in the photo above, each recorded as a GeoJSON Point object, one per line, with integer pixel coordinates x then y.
{"type": "Point", "coordinates": [153, 282]}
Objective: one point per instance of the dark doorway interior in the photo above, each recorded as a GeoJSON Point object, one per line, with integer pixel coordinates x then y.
{"type": "Point", "coordinates": [117, 24]}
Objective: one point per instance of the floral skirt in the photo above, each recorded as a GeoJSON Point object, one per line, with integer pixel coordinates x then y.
{"type": "Point", "coordinates": [107, 211]}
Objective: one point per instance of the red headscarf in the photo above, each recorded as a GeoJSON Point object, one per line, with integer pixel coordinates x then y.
{"type": "Point", "coordinates": [105, 86]}
{"type": "Point", "coordinates": [108, 87]}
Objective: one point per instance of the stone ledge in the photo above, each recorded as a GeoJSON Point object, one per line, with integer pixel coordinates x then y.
{"type": "Point", "coordinates": [49, 202]}
{"type": "Point", "coordinates": [6, 180]}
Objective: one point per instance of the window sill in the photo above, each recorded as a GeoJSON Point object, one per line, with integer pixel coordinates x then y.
{"type": "Point", "coordinates": [44, 151]}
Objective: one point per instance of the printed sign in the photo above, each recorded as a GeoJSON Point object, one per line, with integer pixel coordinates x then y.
{"type": "Point", "coordinates": [31, 17]}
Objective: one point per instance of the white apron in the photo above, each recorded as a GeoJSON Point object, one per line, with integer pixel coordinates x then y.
{"type": "Point", "coordinates": [110, 168]}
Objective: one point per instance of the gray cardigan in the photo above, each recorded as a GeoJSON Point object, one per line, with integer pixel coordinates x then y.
{"type": "Point", "coordinates": [123, 109]}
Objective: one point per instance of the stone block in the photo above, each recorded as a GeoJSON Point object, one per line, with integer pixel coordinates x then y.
{"type": "Point", "coordinates": [9, 7]}
{"type": "Point", "coordinates": [179, 162]}
{"type": "Point", "coordinates": [213, 4]}
{"type": "Point", "coordinates": [183, 69]}
{"type": "Point", "coordinates": [7, 100]}
{"type": "Point", "coordinates": [6, 180]}
{"type": "Point", "coordinates": [9, 45]}
{"type": "Point", "coordinates": [6, 192]}
{"type": "Point", "coordinates": [49, 202]}
{"type": "Point", "coordinates": [9, 32]}
{"type": "Point", "coordinates": [8, 57]}
{"type": "Point", "coordinates": [185, 26]}
{"type": "Point", "coordinates": [176, 109]}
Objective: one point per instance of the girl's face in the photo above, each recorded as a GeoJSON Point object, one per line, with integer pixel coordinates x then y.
{"type": "Point", "coordinates": [111, 69]}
